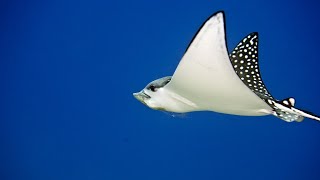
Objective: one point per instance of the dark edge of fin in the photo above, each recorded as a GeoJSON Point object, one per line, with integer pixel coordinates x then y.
{"type": "Point", "coordinates": [224, 23]}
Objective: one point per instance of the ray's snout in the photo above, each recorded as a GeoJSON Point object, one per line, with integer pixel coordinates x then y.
{"type": "Point", "coordinates": [141, 96]}
{"type": "Point", "coordinates": [137, 95]}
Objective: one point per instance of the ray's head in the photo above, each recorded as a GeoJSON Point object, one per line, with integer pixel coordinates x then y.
{"type": "Point", "coordinates": [152, 94]}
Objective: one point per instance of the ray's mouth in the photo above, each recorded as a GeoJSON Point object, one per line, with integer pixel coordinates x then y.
{"type": "Point", "coordinates": [141, 96]}
{"type": "Point", "coordinates": [146, 95]}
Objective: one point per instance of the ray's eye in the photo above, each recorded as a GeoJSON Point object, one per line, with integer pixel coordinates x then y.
{"type": "Point", "coordinates": [153, 88]}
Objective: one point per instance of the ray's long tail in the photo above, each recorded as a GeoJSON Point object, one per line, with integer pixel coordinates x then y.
{"type": "Point", "coordinates": [286, 111]}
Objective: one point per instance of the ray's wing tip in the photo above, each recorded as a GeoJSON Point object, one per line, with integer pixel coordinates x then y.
{"type": "Point", "coordinates": [217, 17]}
{"type": "Point", "coordinates": [217, 14]}
{"type": "Point", "coordinates": [220, 12]}
{"type": "Point", "coordinates": [254, 34]}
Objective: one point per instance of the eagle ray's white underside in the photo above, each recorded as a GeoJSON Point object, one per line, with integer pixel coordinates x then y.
{"type": "Point", "coordinates": [206, 80]}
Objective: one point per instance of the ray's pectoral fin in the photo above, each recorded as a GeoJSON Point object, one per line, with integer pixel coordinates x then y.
{"type": "Point", "coordinates": [244, 59]}
{"type": "Point", "coordinates": [285, 110]}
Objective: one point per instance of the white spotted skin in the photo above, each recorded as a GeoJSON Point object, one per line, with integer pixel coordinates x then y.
{"type": "Point", "coordinates": [246, 53]}
{"type": "Point", "coordinates": [248, 69]}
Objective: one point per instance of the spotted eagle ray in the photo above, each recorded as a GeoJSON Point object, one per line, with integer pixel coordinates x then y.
{"type": "Point", "coordinates": [209, 79]}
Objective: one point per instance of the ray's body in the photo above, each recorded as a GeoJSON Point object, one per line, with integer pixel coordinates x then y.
{"type": "Point", "coordinates": [209, 79]}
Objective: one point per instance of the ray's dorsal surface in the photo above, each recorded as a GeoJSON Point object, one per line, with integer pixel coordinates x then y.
{"type": "Point", "coordinates": [206, 77]}
{"type": "Point", "coordinates": [245, 61]}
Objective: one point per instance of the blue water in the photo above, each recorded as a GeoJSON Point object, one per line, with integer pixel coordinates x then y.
{"type": "Point", "coordinates": [69, 68]}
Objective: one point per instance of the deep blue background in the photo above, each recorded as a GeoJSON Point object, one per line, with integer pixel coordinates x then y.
{"type": "Point", "coordinates": [69, 68]}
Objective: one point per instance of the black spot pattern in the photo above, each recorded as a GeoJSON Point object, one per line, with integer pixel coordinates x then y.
{"type": "Point", "coordinates": [244, 59]}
